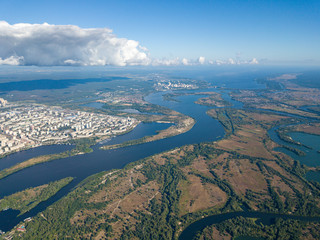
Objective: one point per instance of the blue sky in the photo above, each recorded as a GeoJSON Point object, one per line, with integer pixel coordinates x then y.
{"type": "Point", "coordinates": [274, 32]}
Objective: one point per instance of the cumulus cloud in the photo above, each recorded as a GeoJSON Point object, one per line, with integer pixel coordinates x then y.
{"type": "Point", "coordinates": [57, 45]}
{"type": "Point", "coordinates": [201, 60]}
{"type": "Point", "coordinates": [185, 61]}
{"type": "Point", "coordinates": [166, 62]}
{"type": "Point", "coordinates": [46, 44]}
{"type": "Point", "coordinates": [231, 61]}
{"type": "Point", "coordinates": [13, 60]}
{"type": "Point", "coordinates": [254, 61]}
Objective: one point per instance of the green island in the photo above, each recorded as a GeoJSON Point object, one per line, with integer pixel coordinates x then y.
{"type": "Point", "coordinates": [184, 125]}
{"type": "Point", "coordinates": [82, 147]}
{"type": "Point", "coordinates": [27, 199]}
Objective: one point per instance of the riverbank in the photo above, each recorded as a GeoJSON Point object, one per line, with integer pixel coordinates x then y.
{"type": "Point", "coordinates": [184, 125]}
{"type": "Point", "coordinates": [25, 200]}
{"type": "Point", "coordinates": [82, 147]}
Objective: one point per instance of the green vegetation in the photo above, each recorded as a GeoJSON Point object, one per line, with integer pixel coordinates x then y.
{"type": "Point", "coordinates": [294, 150]}
{"type": "Point", "coordinates": [184, 125]}
{"type": "Point", "coordinates": [27, 199]}
{"type": "Point", "coordinates": [283, 135]}
{"type": "Point", "coordinates": [222, 115]}
{"type": "Point", "coordinates": [82, 145]}
{"type": "Point", "coordinates": [170, 97]}
{"type": "Point", "coordinates": [214, 100]}
{"type": "Point", "coordinates": [281, 229]}
{"type": "Point", "coordinates": [162, 223]}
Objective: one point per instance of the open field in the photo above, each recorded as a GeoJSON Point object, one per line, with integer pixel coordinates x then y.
{"type": "Point", "coordinates": [288, 101]}
{"type": "Point", "coordinates": [311, 128]}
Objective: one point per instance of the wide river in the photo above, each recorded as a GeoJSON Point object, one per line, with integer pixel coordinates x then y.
{"type": "Point", "coordinates": [206, 129]}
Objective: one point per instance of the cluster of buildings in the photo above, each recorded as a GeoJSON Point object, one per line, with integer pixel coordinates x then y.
{"type": "Point", "coordinates": [24, 126]}
{"type": "Point", "coordinates": [20, 229]}
{"type": "Point", "coordinates": [117, 97]}
{"type": "Point", "coordinates": [167, 85]}
{"type": "Point", "coordinates": [3, 102]}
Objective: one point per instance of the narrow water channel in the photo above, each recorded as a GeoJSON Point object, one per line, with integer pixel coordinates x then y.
{"type": "Point", "coordinates": [265, 218]}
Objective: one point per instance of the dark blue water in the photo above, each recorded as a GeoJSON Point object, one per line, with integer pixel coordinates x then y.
{"type": "Point", "coordinates": [100, 105]}
{"type": "Point", "coordinates": [43, 84]}
{"type": "Point", "coordinates": [97, 105]}
{"type": "Point", "coordinates": [142, 130]}
{"type": "Point", "coordinates": [248, 238]}
{"type": "Point", "coordinates": [22, 156]}
{"type": "Point", "coordinates": [313, 176]}
{"type": "Point", "coordinates": [312, 157]}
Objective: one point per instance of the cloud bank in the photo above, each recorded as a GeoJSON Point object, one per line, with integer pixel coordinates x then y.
{"type": "Point", "coordinates": [62, 45]}
{"type": "Point", "coordinates": [47, 45]}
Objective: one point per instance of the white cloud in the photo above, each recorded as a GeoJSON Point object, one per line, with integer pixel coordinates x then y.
{"type": "Point", "coordinates": [254, 61]}
{"type": "Point", "coordinates": [220, 62]}
{"type": "Point", "coordinates": [201, 60]}
{"type": "Point", "coordinates": [231, 61]}
{"type": "Point", "coordinates": [165, 62]}
{"type": "Point", "coordinates": [185, 61]}
{"type": "Point", "coordinates": [12, 60]}
{"type": "Point", "coordinates": [45, 44]}
{"type": "Point", "coordinates": [57, 45]}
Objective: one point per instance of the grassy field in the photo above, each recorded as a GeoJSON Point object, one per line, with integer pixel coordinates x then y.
{"type": "Point", "coordinates": [213, 100]}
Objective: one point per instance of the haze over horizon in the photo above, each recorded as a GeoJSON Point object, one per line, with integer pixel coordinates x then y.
{"type": "Point", "coordinates": [122, 33]}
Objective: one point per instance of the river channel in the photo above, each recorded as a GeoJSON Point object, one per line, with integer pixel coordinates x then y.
{"type": "Point", "coordinates": [80, 167]}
